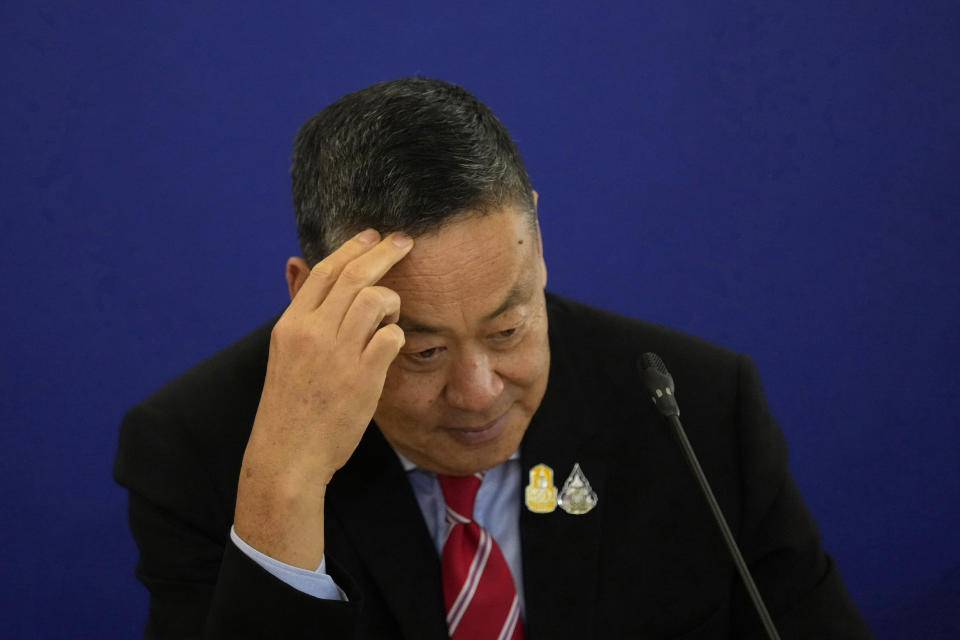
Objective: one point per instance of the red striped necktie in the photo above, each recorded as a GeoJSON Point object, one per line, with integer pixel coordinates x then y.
{"type": "Point", "coordinates": [478, 590]}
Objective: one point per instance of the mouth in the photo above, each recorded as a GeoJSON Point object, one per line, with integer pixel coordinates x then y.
{"type": "Point", "coordinates": [478, 434]}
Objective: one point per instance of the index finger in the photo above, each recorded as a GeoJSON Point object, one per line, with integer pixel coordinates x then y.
{"type": "Point", "coordinates": [365, 270]}
{"type": "Point", "coordinates": [323, 274]}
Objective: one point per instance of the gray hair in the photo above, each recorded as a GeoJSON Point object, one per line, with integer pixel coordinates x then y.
{"type": "Point", "coordinates": [405, 155]}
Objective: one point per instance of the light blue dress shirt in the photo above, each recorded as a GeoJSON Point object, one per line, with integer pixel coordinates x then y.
{"type": "Point", "coordinates": [497, 509]}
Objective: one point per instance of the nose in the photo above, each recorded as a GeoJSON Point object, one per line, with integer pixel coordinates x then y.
{"type": "Point", "coordinates": [473, 383]}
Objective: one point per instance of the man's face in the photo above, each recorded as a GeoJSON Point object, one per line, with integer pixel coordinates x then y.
{"type": "Point", "coordinates": [474, 368]}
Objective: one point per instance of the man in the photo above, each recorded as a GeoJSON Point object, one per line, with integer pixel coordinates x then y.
{"type": "Point", "coordinates": [378, 462]}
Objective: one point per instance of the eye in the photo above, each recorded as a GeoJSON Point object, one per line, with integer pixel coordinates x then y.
{"type": "Point", "coordinates": [506, 337]}
{"type": "Point", "coordinates": [426, 354]}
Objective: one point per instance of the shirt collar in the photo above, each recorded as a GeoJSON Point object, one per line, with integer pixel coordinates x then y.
{"type": "Point", "coordinates": [409, 466]}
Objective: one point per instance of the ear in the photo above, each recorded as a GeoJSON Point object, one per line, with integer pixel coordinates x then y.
{"type": "Point", "coordinates": [543, 264]}
{"type": "Point", "coordinates": [297, 272]}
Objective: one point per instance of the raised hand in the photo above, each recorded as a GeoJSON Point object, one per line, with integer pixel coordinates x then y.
{"type": "Point", "coordinates": [329, 354]}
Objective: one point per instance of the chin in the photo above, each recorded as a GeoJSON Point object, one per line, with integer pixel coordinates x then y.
{"type": "Point", "coordinates": [473, 458]}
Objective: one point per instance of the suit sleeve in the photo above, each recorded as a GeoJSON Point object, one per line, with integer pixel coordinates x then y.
{"type": "Point", "coordinates": [799, 582]}
{"type": "Point", "coordinates": [201, 585]}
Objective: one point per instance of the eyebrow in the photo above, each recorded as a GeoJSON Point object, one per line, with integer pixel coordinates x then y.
{"type": "Point", "coordinates": [517, 294]}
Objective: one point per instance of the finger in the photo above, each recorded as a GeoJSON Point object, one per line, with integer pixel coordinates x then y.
{"type": "Point", "coordinates": [383, 348]}
{"type": "Point", "coordinates": [371, 307]}
{"type": "Point", "coordinates": [390, 318]}
{"type": "Point", "coordinates": [364, 271]}
{"type": "Point", "coordinates": [324, 274]}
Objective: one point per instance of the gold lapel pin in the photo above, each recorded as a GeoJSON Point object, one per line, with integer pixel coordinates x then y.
{"type": "Point", "coordinates": [541, 494]}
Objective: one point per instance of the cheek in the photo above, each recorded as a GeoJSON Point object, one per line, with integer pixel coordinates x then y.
{"type": "Point", "coordinates": [409, 394]}
{"type": "Point", "coordinates": [529, 362]}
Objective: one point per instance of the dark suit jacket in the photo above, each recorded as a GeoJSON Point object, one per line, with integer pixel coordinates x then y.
{"type": "Point", "coordinates": [646, 562]}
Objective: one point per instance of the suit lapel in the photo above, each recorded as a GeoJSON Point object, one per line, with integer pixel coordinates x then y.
{"type": "Point", "coordinates": [561, 550]}
{"type": "Point", "coordinates": [375, 505]}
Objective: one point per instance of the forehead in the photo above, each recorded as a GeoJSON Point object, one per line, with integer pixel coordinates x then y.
{"type": "Point", "coordinates": [468, 267]}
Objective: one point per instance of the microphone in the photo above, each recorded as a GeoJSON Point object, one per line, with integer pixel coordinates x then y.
{"type": "Point", "coordinates": [659, 384]}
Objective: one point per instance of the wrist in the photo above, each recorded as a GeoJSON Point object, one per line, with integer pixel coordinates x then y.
{"type": "Point", "coordinates": [281, 516]}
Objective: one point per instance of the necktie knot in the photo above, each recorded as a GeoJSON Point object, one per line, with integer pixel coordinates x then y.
{"type": "Point", "coordinates": [460, 492]}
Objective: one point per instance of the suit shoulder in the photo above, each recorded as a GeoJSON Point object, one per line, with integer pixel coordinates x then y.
{"type": "Point", "coordinates": [235, 370]}
{"type": "Point", "coordinates": [619, 336]}
{"type": "Point", "coordinates": [200, 419]}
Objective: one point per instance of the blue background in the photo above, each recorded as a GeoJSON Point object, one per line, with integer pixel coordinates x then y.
{"type": "Point", "coordinates": [779, 177]}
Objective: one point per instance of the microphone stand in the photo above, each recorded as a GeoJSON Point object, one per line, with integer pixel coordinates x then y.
{"type": "Point", "coordinates": [659, 383]}
{"type": "Point", "coordinates": [748, 582]}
